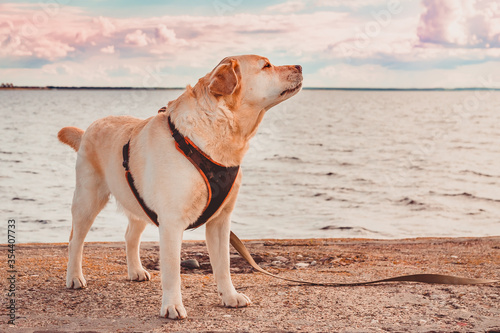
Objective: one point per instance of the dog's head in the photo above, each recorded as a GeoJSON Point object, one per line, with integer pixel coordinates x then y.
{"type": "Point", "coordinates": [251, 80]}
{"type": "Point", "coordinates": [247, 86]}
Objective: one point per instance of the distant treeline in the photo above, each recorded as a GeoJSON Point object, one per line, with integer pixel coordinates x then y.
{"type": "Point", "coordinates": [11, 86]}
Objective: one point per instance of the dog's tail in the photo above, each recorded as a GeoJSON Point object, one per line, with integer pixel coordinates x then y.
{"type": "Point", "coordinates": [71, 136]}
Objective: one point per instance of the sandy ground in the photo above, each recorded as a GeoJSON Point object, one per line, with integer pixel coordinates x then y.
{"type": "Point", "coordinates": [113, 304]}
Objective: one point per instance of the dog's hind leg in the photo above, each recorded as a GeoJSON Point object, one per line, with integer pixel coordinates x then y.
{"type": "Point", "coordinates": [133, 240]}
{"type": "Point", "coordinates": [91, 195]}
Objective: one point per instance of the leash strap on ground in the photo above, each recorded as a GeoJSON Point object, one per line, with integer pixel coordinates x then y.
{"type": "Point", "coordinates": [424, 278]}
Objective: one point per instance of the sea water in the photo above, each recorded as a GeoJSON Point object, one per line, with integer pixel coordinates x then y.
{"type": "Point", "coordinates": [326, 163]}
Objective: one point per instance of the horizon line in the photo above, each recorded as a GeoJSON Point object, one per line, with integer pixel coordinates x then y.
{"type": "Point", "coordinates": [12, 87]}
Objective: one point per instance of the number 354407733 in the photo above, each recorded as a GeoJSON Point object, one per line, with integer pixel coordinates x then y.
{"type": "Point", "coordinates": [11, 237]}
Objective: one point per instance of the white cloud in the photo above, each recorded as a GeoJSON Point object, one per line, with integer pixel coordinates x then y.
{"type": "Point", "coordinates": [462, 23]}
{"type": "Point", "coordinates": [349, 3]}
{"type": "Point", "coordinates": [137, 38]}
{"type": "Point", "coordinates": [106, 27]}
{"type": "Point", "coordinates": [164, 34]}
{"type": "Point", "coordinates": [11, 45]}
{"type": "Point", "coordinates": [292, 6]}
{"type": "Point", "coordinates": [108, 49]}
{"type": "Point", "coordinates": [52, 49]}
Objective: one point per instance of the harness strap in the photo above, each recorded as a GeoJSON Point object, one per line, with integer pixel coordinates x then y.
{"type": "Point", "coordinates": [130, 180]}
{"type": "Point", "coordinates": [218, 178]}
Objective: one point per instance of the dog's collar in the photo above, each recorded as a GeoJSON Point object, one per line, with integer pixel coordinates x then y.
{"type": "Point", "coordinates": [218, 178]}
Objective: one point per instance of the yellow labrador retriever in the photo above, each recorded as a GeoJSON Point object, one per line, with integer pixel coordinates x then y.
{"type": "Point", "coordinates": [219, 115]}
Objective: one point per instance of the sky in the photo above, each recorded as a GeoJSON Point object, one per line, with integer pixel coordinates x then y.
{"type": "Point", "coordinates": [339, 43]}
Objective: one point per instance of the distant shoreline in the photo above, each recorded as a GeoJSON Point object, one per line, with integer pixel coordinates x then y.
{"type": "Point", "coordinates": [306, 88]}
{"type": "Point", "coordinates": [84, 88]}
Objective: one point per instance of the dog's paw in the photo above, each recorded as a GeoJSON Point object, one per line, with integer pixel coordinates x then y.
{"type": "Point", "coordinates": [235, 300]}
{"type": "Point", "coordinates": [139, 275]}
{"type": "Point", "coordinates": [173, 311]}
{"type": "Point", "coordinates": [77, 282]}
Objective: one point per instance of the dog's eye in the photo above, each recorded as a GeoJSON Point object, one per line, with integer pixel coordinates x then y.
{"type": "Point", "coordinates": [268, 65]}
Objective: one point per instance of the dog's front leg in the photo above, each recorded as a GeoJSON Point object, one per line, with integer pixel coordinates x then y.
{"type": "Point", "coordinates": [170, 253]}
{"type": "Point", "coordinates": [217, 234]}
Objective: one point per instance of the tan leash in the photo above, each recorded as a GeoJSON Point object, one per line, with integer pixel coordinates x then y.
{"type": "Point", "coordinates": [424, 278]}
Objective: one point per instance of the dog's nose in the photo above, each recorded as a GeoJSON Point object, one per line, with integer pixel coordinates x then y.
{"type": "Point", "coordinates": [299, 68]}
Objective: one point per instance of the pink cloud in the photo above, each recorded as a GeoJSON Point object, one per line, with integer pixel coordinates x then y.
{"type": "Point", "coordinates": [465, 23]}
{"type": "Point", "coordinates": [38, 31]}
{"type": "Point", "coordinates": [349, 3]}
{"type": "Point", "coordinates": [70, 29]}
{"type": "Point", "coordinates": [469, 29]}
{"type": "Point", "coordinates": [164, 34]}
{"type": "Point", "coordinates": [137, 38]}
{"type": "Point", "coordinates": [108, 49]}
{"type": "Point", "coordinates": [52, 49]}
{"type": "Point", "coordinates": [288, 7]}
{"type": "Point", "coordinates": [106, 27]}
{"type": "Point", "coordinates": [11, 45]}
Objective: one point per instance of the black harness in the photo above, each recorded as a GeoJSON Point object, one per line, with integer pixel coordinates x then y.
{"type": "Point", "coordinates": [218, 178]}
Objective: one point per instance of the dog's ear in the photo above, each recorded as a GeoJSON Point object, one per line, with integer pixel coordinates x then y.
{"type": "Point", "coordinates": [224, 80]}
